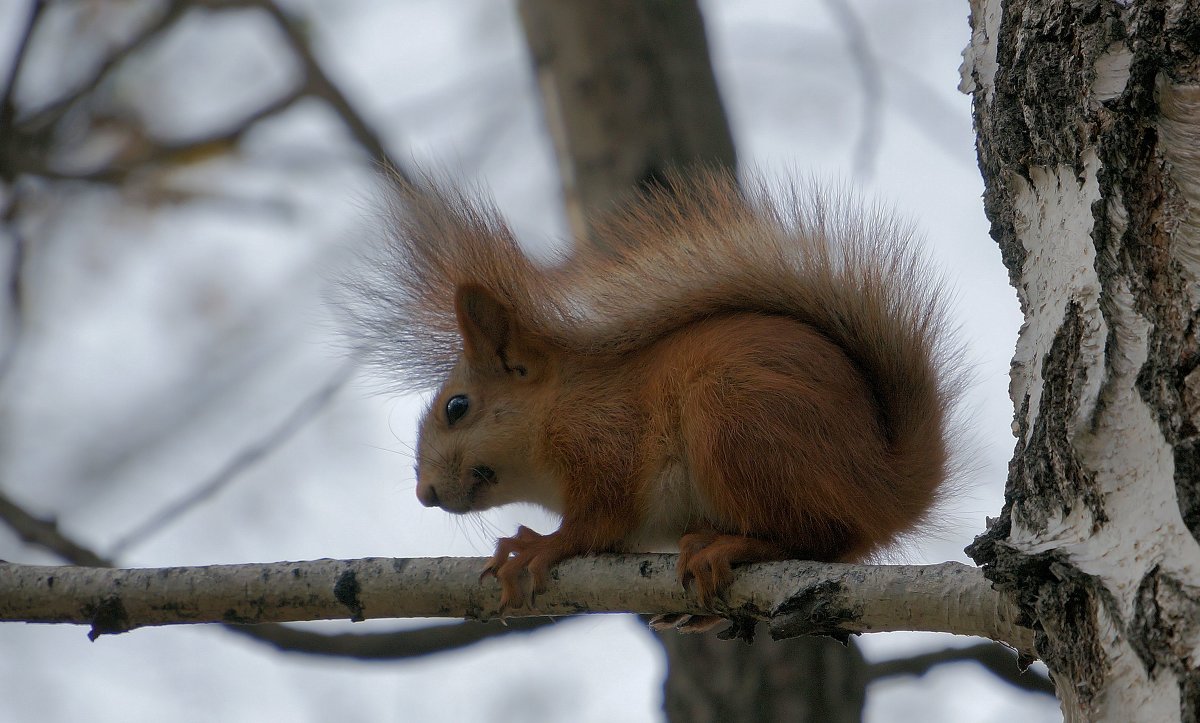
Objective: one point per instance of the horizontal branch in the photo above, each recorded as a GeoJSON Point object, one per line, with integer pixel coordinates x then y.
{"type": "Point", "coordinates": [997, 660]}
{"type": "Point", "coordinates": [388, 646]}
{"type": "Point", "coordinates": [794, 597]}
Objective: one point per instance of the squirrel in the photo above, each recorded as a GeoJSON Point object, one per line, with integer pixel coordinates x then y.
{"type": "Point", "coordinates": [744, 378]}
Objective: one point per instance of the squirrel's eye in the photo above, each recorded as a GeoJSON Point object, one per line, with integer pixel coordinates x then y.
{"type": "Point", "coordinates": [456, 408]}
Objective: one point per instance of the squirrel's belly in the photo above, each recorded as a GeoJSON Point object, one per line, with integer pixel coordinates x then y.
{"type": "Point", "coordinates": [669, 508]}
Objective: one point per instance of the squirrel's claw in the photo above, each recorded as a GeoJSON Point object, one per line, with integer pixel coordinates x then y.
{"type": "Point", "coordinates": [706, 561]}
{"type": "Point", "coordinates": [702, 567]}
{"type": "Point", "coordinates": [488, 571]}
{"type": "Point", "coordinates": [522, 566]}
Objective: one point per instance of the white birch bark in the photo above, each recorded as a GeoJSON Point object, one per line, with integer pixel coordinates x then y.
{"type": "Point", "coordinates": [795, 597]}
{"type": "Point", "coordinates": [1088, 117]}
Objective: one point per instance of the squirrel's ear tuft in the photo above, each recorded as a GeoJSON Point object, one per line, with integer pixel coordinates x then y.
{"type": "Point", "coordinates": [492, 336]}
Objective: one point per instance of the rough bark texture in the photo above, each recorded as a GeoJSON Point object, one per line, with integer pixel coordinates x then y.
{"type": "Point", "coordinates": [628, 92]}
{"type": "Point", "coordinates": [1088, 116]}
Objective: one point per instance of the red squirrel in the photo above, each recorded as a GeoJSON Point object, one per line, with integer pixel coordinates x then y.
{"type": "Point", "coordinates": [741, 378]}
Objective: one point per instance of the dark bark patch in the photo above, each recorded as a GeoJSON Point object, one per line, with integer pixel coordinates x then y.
{"type": "Point", "coordinates": [347, 590]}
{"type": "Point", "coordinates": [234, 617]}
{"type": "Point", "coordinates": [998, 206]}
{"type": "Point", "coordinates": [1189, 688]}
{"type": "Point", "coordinates": [108, 617]}
{"type": "Point", "coordinates": [1066, 610]}
{"type": "Point", "coordinates": [741, 628]}
{"type": "Point", "coordinates": [1046, 475]}
{"type": "Point", "coordinates": [816, 610]}
{"type": "Point", "coordinates": [1181, 33]}
{"type": "Point", "coordinates": [1060, 603]}
{"type": "Point", "coordinates": [1187, 483]}
{"type": "Point", "coordinates": [1165, 619]}
{"type": "Point", "coordinates": [1152, 639]}
{"type": "Point", "coordinates": [1047, 64]}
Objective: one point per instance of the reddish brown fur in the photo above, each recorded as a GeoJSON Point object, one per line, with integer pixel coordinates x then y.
{"type": "Point", "coordinates": [753, 381]}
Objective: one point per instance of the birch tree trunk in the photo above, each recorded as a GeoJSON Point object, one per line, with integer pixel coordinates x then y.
{"type": "Point", "coordinates": [1088, 120]}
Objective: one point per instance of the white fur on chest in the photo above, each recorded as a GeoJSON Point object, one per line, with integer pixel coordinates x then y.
{"type": "Point", "coordinates": [669, 508]}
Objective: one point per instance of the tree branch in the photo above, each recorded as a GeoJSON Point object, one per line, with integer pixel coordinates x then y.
{"type": "Point", "coordinates": [45, 534]}
{"type": "Point", "coordinates": [399, 645]}
{"type": "Point", "coordinates": [998, 660]}
{"type": "Point", "coordinates": [322, 86]}
{"type": "Point", "coordinates": [794, 597]}
{"type": "Point", "coordinates": [867, 67]}
{"type": "Point", "coordinates": [13, 293]}
{"type": "Point", "coordinates": [246, 458]}
{"type": "Point", "coordinates": [55, 110]}
{"type": "Point", "coordinates": [316, 83]}
{"type": "Point", "coordinates": [7, 108]}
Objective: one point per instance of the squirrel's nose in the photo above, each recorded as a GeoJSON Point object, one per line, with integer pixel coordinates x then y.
{"type": "Point", "coordinates": [427, 495]}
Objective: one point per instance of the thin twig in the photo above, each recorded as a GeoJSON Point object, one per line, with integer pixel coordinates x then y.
{"type": "Point", "coordinates": [7, 104]}
{"type": "Point", "coordinates": [54, 111]}
{"type": "Point", "coordinates": [316, 83]}
{"type": "Point", "coordinates": [45, 534]}
{"type": "Point", "coordinates": [14, 284]}
{"type": "Point", "coordinates": [997, 659]}
{"type": "Point", "coordinates": [165, 153]}
{"type": "Point", "coordinates": [246, 458]}
{"type": "Point", "coordinates": [399, 645]}
{"type": "Point", "coordinates": [321, 85]}
{"type": "Point", "coordinates": [868, 70]}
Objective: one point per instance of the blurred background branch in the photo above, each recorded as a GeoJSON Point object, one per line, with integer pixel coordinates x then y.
{"type": "Point", "coordinates": [243, 459]}
{"type": "Point", "coordinates": [996, 659]}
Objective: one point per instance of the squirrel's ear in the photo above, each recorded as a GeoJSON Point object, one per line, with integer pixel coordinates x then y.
{"type": "Point", "coordinates": [492, 336]}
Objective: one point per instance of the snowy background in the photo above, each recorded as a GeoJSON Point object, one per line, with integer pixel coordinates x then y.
{"type": "Point", "coordinates": [177, 320]}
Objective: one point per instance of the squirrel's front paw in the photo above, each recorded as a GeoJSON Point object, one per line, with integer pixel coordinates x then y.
{"type": "Point", "coordinates": [522, 566]}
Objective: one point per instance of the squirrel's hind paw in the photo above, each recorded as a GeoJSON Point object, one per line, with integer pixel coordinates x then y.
{"type": "Point", "coordinates": [706, 560]}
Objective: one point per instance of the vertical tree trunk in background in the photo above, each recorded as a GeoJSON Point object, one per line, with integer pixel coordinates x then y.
{"type": "Point", "coordinates": [1088, 116]}
{"type": "Point", "coordinates": [802, 679]}
{"type": "Point", "coordinates": [629, 92]}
